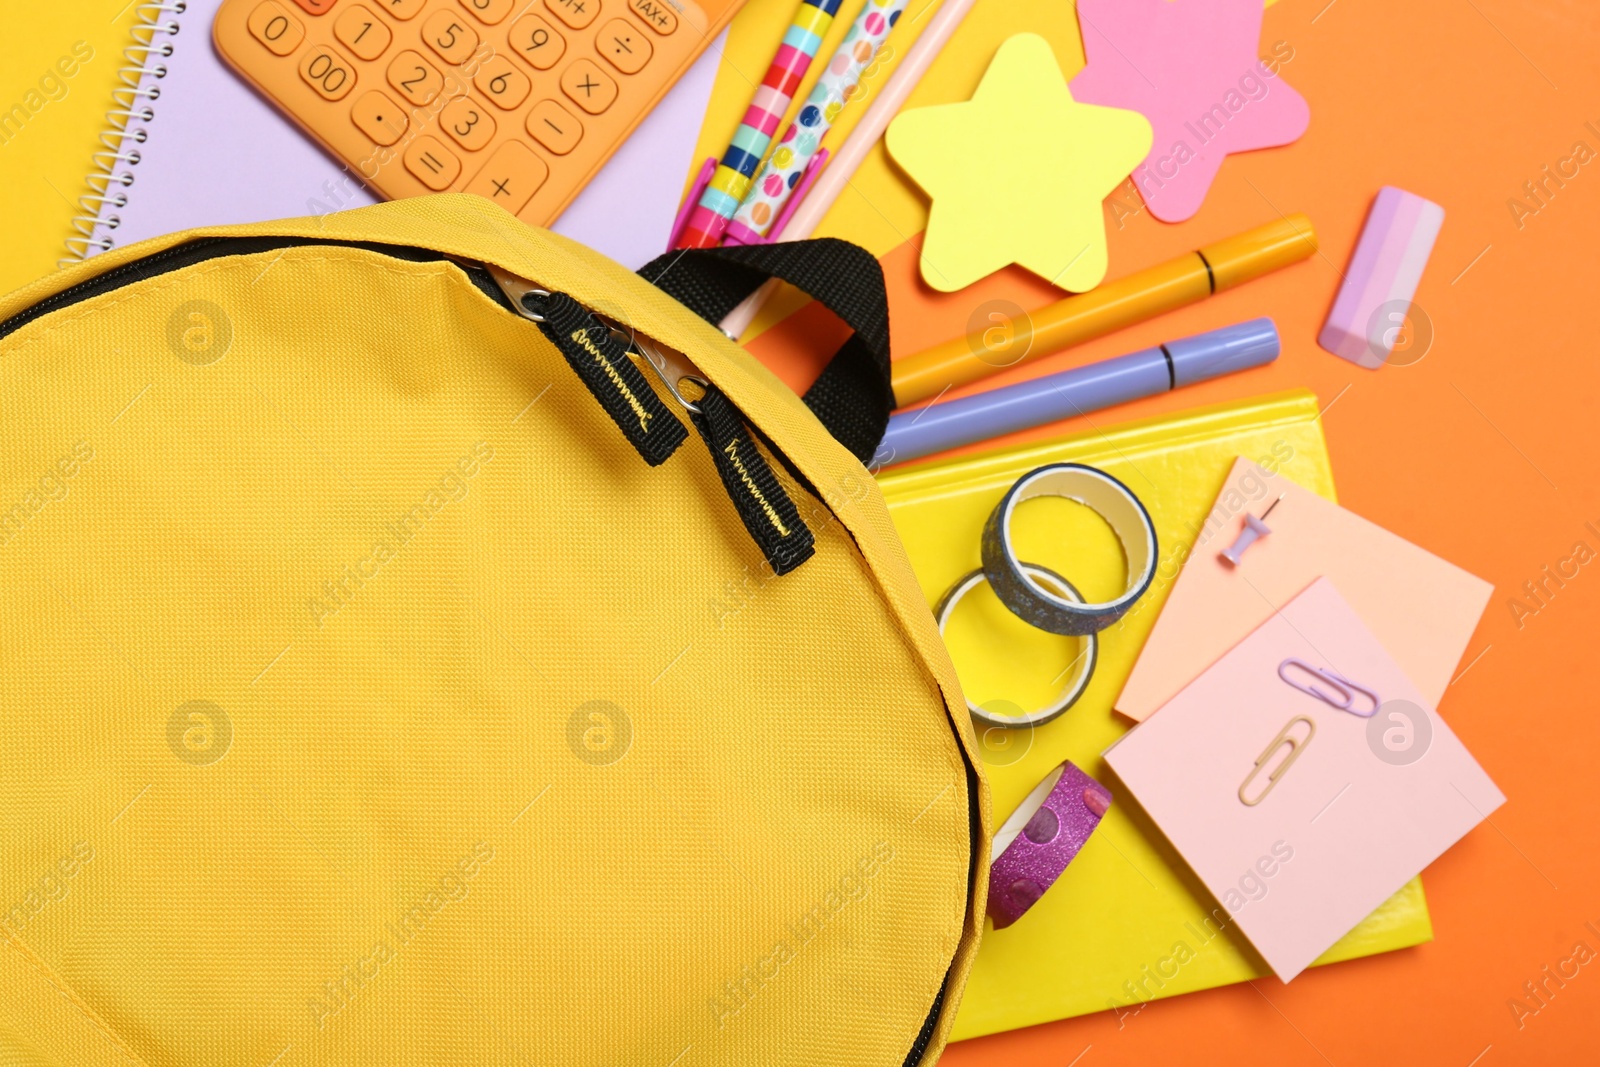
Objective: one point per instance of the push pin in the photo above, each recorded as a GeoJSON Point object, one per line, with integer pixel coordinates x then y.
{"type": "Point", "coordinates": [1254, 530]}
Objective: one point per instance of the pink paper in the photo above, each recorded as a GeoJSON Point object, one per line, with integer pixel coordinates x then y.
{"type": "Point", "coordinates": [1191, 68]}
{"type": "Point", "coordinates": [1422, 608]}
{"type": "Point", "coordinates": [1362, 807]}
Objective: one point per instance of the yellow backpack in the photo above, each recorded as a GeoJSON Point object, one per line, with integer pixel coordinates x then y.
{"type": "Point", "coordinates": [382, 685]}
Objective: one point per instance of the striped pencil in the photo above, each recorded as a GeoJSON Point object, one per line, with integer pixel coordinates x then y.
{"type": "Point", "coordinates": [710, 217]}
{"type": "Point", "coordinates": [779, 179]}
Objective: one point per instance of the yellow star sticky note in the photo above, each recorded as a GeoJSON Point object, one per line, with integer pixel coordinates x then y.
{"type": "Point", "coordinates": [1017, 174]}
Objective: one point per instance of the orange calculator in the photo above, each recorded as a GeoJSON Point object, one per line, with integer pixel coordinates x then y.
{"type": "Point", "coordinates": [519, 101]}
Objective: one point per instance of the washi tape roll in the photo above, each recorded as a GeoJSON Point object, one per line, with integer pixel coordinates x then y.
{"type": "Point", "coordinates": [1046, 832]}
{"type": "Point", "coordinates": [1028, 598]}
{"type": "Point", "coordinates": [1085, 661]}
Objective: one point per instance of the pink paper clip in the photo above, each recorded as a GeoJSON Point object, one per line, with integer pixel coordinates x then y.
{"type": "Point", "coordinates": [703, 179]}
{"type": "Point", "coordinates": [1346, 690]}
{"type": "Point", "coordinates": [740, 234]}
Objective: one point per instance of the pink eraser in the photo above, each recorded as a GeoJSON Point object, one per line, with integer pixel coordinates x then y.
{"type": "Point", "coordinates": [1382, 278]}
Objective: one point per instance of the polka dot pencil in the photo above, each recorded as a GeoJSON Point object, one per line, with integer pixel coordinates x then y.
{"type": "Point", "coordinates": [710, 217]}
{"type": "Point", "coordinates": [765, 200]}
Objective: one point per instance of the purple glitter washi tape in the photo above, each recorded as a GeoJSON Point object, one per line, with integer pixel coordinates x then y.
{"type": "Point", "coordinates": [1041, 838]}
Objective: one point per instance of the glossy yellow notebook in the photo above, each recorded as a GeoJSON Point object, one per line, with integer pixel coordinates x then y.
{"type": "Point", "coordinates": [1129, 922]}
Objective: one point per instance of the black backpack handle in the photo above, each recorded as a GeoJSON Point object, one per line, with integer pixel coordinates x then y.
{"type": "Point", "coordinates": [852, 397]}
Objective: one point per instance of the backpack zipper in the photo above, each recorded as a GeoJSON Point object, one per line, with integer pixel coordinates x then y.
{"type": "Point", "coordinates": [206, 248]}
{"type": "Point", "coordinates": [600, 350]}
{"type": "Point", "coordinates": [600, 354]}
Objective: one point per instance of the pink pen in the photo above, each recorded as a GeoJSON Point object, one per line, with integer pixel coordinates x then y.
{"type": "Point", "coordinates": [803, 223]}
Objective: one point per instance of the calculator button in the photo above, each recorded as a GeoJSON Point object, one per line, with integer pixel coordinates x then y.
{"type": "Point", "coordinates": [404, 10]}
{"type": "Point", "coordinates": [415, 78]}
{"type": "Point", "coordinates": [624, 46]}
{"type": "Point", "coordinates": [511, 177]}
{"type": "Point", "coordinates": [554, 127]}
{"type": "Point", "coordinates": [362, 32]}
{"type": "Point", "coordinates": [656, 14]}
{"type": "Point", "coordinates": [504, 84]}
{"type": "Point", "coordinates": [468, 123]}
{"type": "Point", "coordinates": [537, 42]}
{"type": "Point", "coordinates": [590, 87]}
{"type": "Point", "coordinates": [575, 13]}
{"type": "Point", "coordinates": [433, 164]}
{"type": "Point", "coordinates": [450, 37]}
{"type": "Point", "coordinates": [274, 27]}
{"type": "Point", "coordinates": [315, 7]}
{"type": "Point", "coordinates": [329, 73]}
{"type": "Point", "coordinates": [489, 12]}
{"type": "Point", "coordinates": [380, 118]}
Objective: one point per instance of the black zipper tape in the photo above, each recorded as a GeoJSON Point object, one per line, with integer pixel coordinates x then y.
{"type": "Point", "coordinates": [601, 360]}
{"type": "Point", "coordinates": [762, 503]}
{"type": "Point", "coordinates": [204, 249]}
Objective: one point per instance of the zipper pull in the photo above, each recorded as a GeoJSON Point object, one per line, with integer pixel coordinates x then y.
{"type": "Point", "coordinates": [599, 350]}
{"type": "Point", "coordinates": [600, 356]}
{"type": "Point", "coordinates": [764, 507]}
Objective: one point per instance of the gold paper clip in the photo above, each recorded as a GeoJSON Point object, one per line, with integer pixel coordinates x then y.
{"type": "Point", "coordinates": [1296, 745]}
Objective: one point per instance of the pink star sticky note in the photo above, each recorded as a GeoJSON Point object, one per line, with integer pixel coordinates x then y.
{"type": "Point", "coordinates": [1191, 68]}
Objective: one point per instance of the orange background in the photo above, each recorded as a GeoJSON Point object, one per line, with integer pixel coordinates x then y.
{"type": "Point", "coordinates": [1479, 452]}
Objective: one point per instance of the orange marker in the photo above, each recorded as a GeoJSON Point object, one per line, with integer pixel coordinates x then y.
{"type": "Point", "coordinates": [1145, 294]}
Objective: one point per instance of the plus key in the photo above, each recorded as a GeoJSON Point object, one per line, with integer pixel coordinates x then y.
{"type": "Point", "coordinates": [511, 177]}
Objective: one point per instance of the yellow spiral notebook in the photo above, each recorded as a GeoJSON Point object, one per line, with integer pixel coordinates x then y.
{"type": "Point", "coordinates": [1129, 922]}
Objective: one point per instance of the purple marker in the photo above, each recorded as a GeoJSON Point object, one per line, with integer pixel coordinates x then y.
{"type": "Point", "coordinates": [913, 434]}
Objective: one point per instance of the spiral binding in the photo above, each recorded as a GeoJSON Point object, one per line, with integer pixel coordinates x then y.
{"type": "Point", "coordinates": [127, 121]}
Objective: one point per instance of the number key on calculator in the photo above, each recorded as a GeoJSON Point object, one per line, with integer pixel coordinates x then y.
{"type": "Point", "coordinates": [518, 101]}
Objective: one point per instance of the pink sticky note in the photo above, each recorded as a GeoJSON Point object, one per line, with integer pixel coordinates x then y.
{"type": "Point", "coordinates": [1422, 608]}
{"type": "Point", "coordinates": [1300, 815]}
{"type": "Point", "coordinates": [1190, 67]}
{"type": "Point", "coordinates": [1375, 299]}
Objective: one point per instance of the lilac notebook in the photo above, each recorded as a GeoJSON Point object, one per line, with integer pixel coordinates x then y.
{"type": "Point", "coordinates": [206, 150]}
